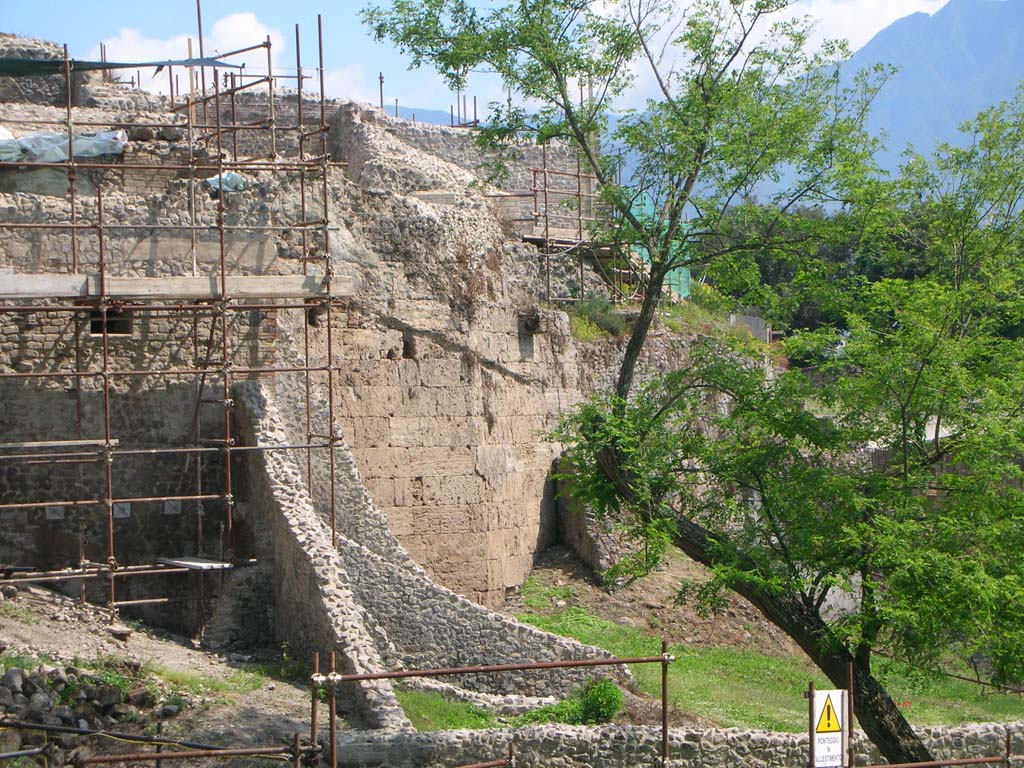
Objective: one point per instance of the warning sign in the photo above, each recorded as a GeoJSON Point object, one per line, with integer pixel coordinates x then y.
{"type": "Point", "coordinates": [828, 722]}
{"type": "Point", "coordinates": [830, 730]}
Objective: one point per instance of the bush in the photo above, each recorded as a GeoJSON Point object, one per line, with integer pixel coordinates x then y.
{"type": "Point", "coordinates": [708, 297]}
{"type": "Point", "coordinates": [597, 311]}
{"type": "Point", "coordinates": [599, 701]}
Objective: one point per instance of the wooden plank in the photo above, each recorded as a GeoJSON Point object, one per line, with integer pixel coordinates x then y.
{"type": "Point", "coordinates": [195, 563]}
{"type": "Point", "coordinates": [57, 444]}
{"type": "Point", "coordinates": [47, 286]}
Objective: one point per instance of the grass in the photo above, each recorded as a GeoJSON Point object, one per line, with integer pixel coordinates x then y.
{"type": "Point", "coordinates": [746, 688]}
{"type": "Point", "coordinates": [22, 613]}
{"type": "Point", "coordinates": [18, 660]}
{"type": "Point", "coordinates": [238, 682]}
{"type": "Point", "coordinates": [429, 711]}
{"type": "Point", "coordinates": [595, 318]}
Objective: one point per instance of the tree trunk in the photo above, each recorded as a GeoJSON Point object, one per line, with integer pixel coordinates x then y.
{"type": "Point", "coordinates": [652, 295]}
{"type": "Point", "coordinates": [879, 716]}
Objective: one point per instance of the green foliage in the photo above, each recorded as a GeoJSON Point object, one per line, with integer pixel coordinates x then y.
{"type": "Point", "coordinates": [429, 711]}
{"type": "Point", "coordinates": [597, 701]}
{"type": "Point", "coordinates": [14, 610]}
{"type": "Point", "coordinates": [602, 313]}
{"type": "Point", "coordinates": [595, 318]}
{"type": "Point", "coordinates": [707, 597]}
{"type": "Point", "coordinates": [888, 472]}
{"type": "Point", "coordinates": [749, 688]}
{"type": "Point", "coordinates": [583, 329]}
{"type": "Point", "coordinates": [538, 596]}
{"type": "Point", "coordinates": [21, 660]}
{"type": "Point", "coordinates": [600, 701]}
{"type": "Point", "coordinates": [740, 98]}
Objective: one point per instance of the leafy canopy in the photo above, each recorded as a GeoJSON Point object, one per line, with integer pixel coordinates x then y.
{"type": "Point", "coordinates": [729, 97]}
{"type": "Point", "coordinates": [883, 486]}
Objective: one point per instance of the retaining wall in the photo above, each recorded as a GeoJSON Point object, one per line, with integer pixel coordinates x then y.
{"type": "Point", "coordinates": [630, 746]}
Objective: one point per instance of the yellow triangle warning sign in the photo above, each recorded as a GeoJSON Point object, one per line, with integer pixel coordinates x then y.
{"type": "Point", "coordinates": [828, 722]}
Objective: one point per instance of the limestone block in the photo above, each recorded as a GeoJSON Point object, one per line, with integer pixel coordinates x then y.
{"type": "Point", "coordinates": [370, 432]}
{"type": "Point", "coordinates": [408, 372]}
{"type": "Point", "coordinates": [372, 372]}
{"type": "Point", "coordinates": [450, 401]}
{"type": "Point", "coordinates": [441, 372]}
{"type": "Point", "coordinates": [494, 462]}
{"type": "Point", "coordinates": [370, 401]}
{"type": "Point", "coordinates": [360, 343]}
{"type": "Point", "coordinates": [527, 429]}
{"type": "Point", "coordinates": [452, 489]}
{"type": "Point", "coordinates": [381, 490]}
{"type": "Point", "coordinates": [411, 431]}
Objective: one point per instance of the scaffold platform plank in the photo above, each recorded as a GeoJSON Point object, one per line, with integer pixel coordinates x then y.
{"type": "Point", "coordinates": [51, 286]}
{"type": "Point", "coordinates": [195, 563]}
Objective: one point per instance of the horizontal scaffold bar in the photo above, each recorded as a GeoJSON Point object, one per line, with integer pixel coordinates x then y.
{"type": "Point", "coordinates": [50, 286]}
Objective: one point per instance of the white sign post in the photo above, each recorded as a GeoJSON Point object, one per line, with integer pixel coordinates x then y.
{"type": "Point", "coordinates": [829, 729]}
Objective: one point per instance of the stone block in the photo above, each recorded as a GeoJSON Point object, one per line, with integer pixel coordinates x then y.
{"type": "Point", "coordinates": [442, 372]}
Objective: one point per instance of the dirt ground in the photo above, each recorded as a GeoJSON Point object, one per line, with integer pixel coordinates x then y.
{"type": "Point", "coordinates": [649, 604]}
{"type": "Point", "coordinates": [49, 623]}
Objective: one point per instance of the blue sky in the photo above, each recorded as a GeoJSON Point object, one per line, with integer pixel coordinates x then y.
{"type": "Point", "coordinates": [136, 30]}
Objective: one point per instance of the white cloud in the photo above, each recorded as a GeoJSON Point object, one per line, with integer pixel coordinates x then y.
{"type": "Point", "coordinates": [237, 30]}
{"type": "Point", "coordinates": [859, 20]}
{"type": "Point", "coordinates": [348, 82]}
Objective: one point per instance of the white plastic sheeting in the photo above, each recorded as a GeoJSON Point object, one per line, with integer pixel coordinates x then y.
{"type": "Point", "coordinates": [229, 182]}
{"type": "Point", "coordinates": [50, 147]}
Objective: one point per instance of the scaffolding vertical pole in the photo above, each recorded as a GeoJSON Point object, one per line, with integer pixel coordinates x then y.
{"type": "Point", "coordinates": [328, 277]}
{"type": "Point", "coordinates": [332, 714]}
{"type": "Point", "coordinates": [547, 223]}
{"type": "Point", "coordinates": [202, 55]}
{"type": "Point", "coordinates": [234, 121]}
{"type": "Point", "coordinates": [270, 99]}
{"type": "Point", "coordinates": [313, 704]}
{"type": "Point", "coordinates": [108, 455]}
{"type": "Point", "coordinates": [307, 381]}
{"type": "Point", "coordinates": [229, 501]}
{"type": "Point", "coordinates": [579, 219]}
{"type": "Point", "coordinates": [170, 83]}
{"type": "Point", "coordinates": [191, 88]}
{"type": "Point", "coordinates": [71, 162]}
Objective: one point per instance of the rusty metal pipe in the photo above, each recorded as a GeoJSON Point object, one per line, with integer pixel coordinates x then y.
{"type": "Point", "coordinates": [25, 726]}
{"type": "Point", "coordinates": [135, 757]}
{"type": "Point", "coordinates": [939, 763]}
{"type": "Point", "coordinates": [499, 668]}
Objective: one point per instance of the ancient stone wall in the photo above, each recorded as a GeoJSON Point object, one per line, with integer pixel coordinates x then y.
{"type": "Point", "coordinates": [314, 606]}
{"type": "Point", "coordinates": [375, 594]}
{"type": "Point", "coordinates": [624, 746]}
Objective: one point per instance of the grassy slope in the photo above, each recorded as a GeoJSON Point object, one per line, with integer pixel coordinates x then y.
{"type": "Point", "coordinates": [748, 688]}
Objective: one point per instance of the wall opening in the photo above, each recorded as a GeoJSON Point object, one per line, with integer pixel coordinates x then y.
{"type": "Point", "coordinates": [119, 322]}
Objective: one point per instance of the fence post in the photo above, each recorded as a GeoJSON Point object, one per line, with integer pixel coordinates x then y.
{"type": "Point", "coordinates": [810, 724]}
{"type": "Point", "coordinates": [664, 701]}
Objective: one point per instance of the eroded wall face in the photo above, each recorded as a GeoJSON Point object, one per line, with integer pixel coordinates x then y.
{"type": "Point", "coordinates": [448, 431]}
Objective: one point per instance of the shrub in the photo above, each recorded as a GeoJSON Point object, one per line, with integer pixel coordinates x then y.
{"type": "Point", "coordinates": [600, 701]}
{"type": "Point", "coordinates": [599, 313]}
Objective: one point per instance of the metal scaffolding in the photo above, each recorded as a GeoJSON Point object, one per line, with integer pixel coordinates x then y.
{"type": "Point", "coordinates": [95, 296]}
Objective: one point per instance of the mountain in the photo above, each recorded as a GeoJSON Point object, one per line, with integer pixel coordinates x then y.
{"type": "Point", "coordinates": [967, 56]}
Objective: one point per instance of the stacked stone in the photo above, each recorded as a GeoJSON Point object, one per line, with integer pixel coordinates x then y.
{"type": "Point", "coordinates": [69, 696]}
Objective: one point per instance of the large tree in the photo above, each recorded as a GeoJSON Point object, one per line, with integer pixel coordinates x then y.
{"type": "Point", "coordinates": [874, 501]}
{"type": "Point", "coordinates": [731, 97]}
